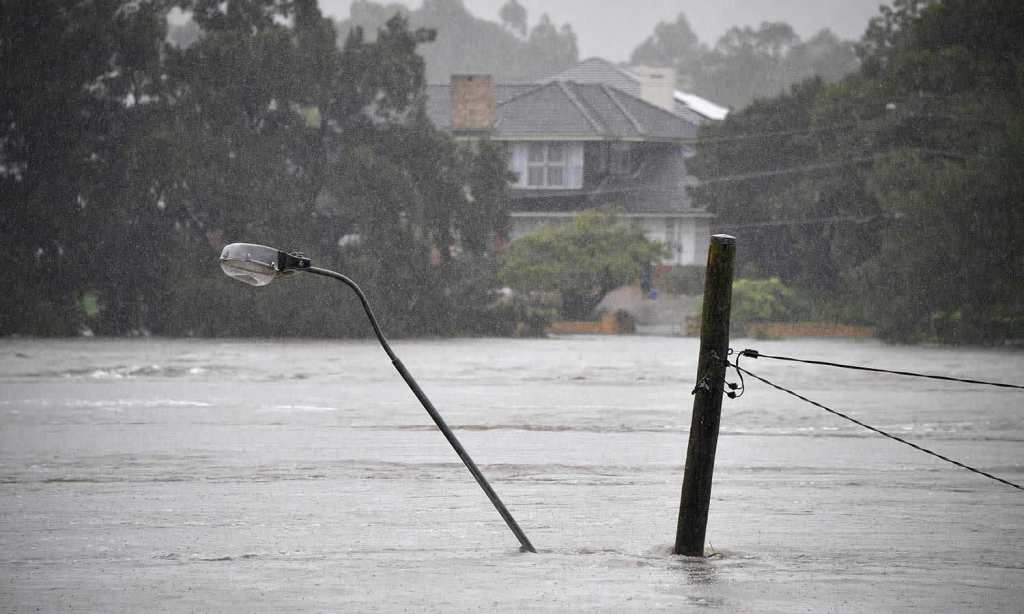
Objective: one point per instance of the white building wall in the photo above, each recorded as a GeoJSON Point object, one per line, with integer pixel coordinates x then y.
{"type": "Point", "coordinates": [701, 241]}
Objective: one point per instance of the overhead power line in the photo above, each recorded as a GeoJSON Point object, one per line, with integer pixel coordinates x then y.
{"type": "Point", "coordinates": [878, 430]}
{"type": "Point", "coordinates": [749, 136]}
{"type": "Point", "coordinates": [737, 390]}
{"type": "Point", "coordinates": [854, 219]}
{"type": "Point", "coordinates": [749, 353]}
{"type": "Point", "coordinates": [806, 168]}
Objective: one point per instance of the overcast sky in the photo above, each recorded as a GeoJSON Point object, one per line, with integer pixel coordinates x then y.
{"type": "Point", "coordinates": [612, 28]}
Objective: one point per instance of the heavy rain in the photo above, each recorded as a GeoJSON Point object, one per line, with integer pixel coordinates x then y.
{"type": "Point", "coordinates": [547, 306]}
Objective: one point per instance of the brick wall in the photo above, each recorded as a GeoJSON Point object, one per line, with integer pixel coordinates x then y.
{"type": "Point", "coordinates": [472, 102]}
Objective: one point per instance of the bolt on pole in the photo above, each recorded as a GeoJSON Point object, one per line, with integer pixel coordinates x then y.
{"type": "Point", "coordinates": [707, 401]}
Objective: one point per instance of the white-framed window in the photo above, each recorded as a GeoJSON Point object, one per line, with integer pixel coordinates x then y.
{"type": "Point", "coordinates": [550, 165]}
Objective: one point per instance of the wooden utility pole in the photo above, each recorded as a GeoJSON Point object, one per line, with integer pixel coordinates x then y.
{"type": "Point", "coordinates": [707, 400]}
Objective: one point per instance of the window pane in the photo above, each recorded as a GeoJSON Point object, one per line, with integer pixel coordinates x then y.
{"type": "Point", "coordinates": [536, 153]}
{"type": "Point", "coordinates": [535, 176]}
{"type": "Point", "coordinates": [556, 175]}
{"type": "Point", "coordinates": [556, 152]}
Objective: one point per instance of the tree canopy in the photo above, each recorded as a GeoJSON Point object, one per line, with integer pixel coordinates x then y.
{"type": "Point", "coordinates": [513, 17]}
{"type": "Point", "coordinates": [583, 259]}
{"type": "Point", "coordinates": [126, 162]}
{"type": "Point", "coordinates": [895, 193]}
{"type": "Point", "coordinates": [745, 63]}
{"type": "Point", "coordinates": [510, 50]}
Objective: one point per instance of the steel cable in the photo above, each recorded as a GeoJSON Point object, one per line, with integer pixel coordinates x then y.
{"type": "Point", "coordinates": [840, 414]}
{"type": "Point", "coordinates": [755, 354]}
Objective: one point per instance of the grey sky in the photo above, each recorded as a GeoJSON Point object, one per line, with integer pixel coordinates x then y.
{"type": "Point", "coordinates": [612, 28]}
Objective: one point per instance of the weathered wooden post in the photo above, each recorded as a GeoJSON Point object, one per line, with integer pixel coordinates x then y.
{"type": "Point", "coordinates": [707, 400]}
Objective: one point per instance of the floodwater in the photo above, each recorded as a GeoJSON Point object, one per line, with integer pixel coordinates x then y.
{"type": "Point", "coordinates": [157, 475]}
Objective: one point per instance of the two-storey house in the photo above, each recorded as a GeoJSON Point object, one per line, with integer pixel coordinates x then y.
{"type": "Point", "coordinates": [577, 145]}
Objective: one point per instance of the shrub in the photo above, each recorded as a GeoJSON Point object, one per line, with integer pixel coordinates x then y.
{"type": "Point", "coordinates": [686, 279]}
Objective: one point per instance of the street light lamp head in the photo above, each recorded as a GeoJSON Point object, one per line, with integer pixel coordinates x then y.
{"type": "Point", "coordinates": [258, 265]}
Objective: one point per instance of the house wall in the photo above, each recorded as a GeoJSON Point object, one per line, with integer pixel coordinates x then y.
{"type": "Point", "coordinates": [701, 241]}
{"type": "Point", "coordinates": [678, 234]}
{"type": "Point", "coordinates": [595, 163]}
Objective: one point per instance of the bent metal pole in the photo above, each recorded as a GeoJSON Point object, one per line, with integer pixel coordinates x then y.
{"type": "Point", "coordinates": [427, 405]}
{"type": "Point", "coordinates": [707, 401]}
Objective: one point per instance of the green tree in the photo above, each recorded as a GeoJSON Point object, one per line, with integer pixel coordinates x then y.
{"type": "Point", "coordinates": [117, 143]}
{"type": "Point", "coordinates": [674, 45]}
{"type": "Point", "coordinates": [952, 74]}
{"type": "Point", "coordinates": [802, 210]}
{"type": "Point", "coordinates": [824, 56]}
{"type": "Point", "coordinates": [893, 193]}
{"type": "Point", "coordinates": [582, 259]}
{"type": "Point", "coordinates": [77, 81]}
{"type": "Point", "coordinates": [551, 45]}
{"type": "Point", "coordinates": [467, 44]}
{"type": "Point", "coordinates": [746, 63]}
{"type": "Point", "coordinates": [513, 17]}
{"type": "Point", "coordinates": [671, 44]}
{"type": "Point", "coordinates": [485, 214]}
{"type": "Point", "coordinates": [764, 300]}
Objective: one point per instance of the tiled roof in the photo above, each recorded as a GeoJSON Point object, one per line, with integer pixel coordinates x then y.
{"type": "Point", "coordinates": [653, 119]}
{"type": "Point", "coordinates": [439, 100]}
{"type": "Point", "coordinates": [598, 70]}
{"type": "Point", "coordinates": [547, 110]}
{"type": "Point", "coordinates": [570, 111]}
{"type": "Point", "coordinates": [689, 114]}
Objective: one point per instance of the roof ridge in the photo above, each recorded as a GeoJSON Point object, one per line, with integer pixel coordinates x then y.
{"type": "Point", "coordinates": [636, 124]}
{"type": "Point", "coordinates": [607, 64]}
{"type": "Point", "coordinates": [654, 107]}
{"type": "Point", "coordinates": [611, 65]}
{"type": "Point", "coordinates": [564, 85]}
{"type": "Point", "coordinates": [626, 73]}
{"type": "Point", "coordinates": [525, 92]}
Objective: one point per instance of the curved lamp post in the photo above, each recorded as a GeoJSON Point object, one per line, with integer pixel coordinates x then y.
{"type": "Point", "coordinates": [258, 265]}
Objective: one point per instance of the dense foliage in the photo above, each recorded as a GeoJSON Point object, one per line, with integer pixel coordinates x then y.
{"type": "Point", "coordinates": [765, 300]}
{"type": "Point", "coordinates": [510, 51]}
{"type": "Point", "coordinates": [745, 63]}
{"type": "Point", "coordinates": [127, 162]}
{"type": "Point", "coordinates": [582, 259]}
{"type": "Point", "coordinates": [895, 195]}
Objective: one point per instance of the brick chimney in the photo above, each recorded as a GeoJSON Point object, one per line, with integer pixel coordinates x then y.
{"type": "Point", "coordinates": [472, 102]}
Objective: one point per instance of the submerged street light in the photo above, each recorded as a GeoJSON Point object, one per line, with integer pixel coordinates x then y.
{"type": "Point", "coordinates": [258, 265]}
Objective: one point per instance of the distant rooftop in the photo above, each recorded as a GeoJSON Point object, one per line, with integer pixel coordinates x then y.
{"type": "Point", "coordinates": [568, 110]}
{"type": "Point", "coordinates": [599, 70]}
